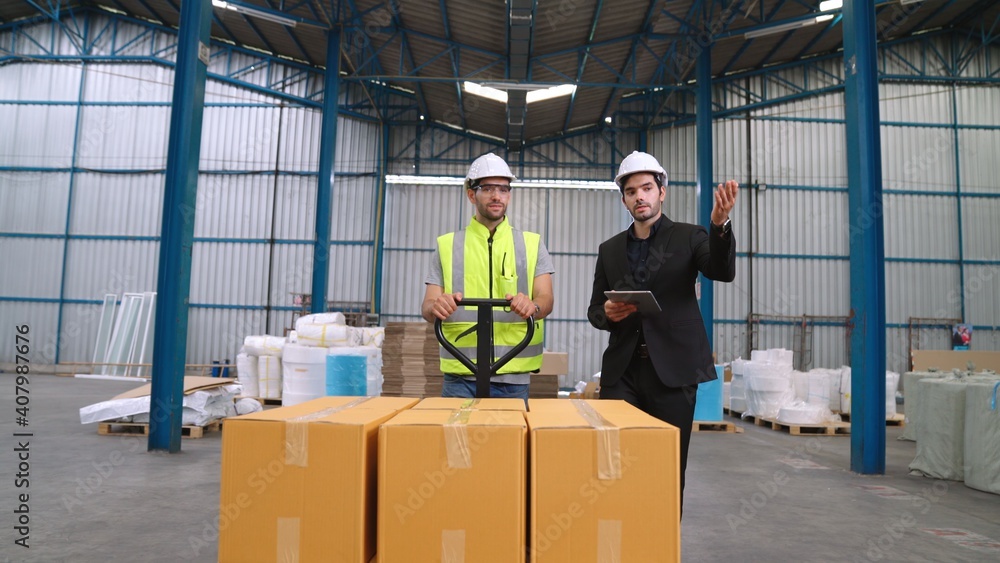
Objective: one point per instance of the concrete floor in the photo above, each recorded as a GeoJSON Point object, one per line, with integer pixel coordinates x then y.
{"type": "Point", "coordinates": [758, 496]}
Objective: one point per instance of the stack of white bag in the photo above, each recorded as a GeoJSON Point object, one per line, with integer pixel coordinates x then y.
{"type": "Point", "coordinates": [891, 385]}
{"type": "Point", "coordinates": [768, 381]}
{"type": "Point", "coordinates": [199, 407]}
{"type": "Point", "coordinates": [737, 387]}
{"type": "Point", "coordinates": [306, 374]}
{"type": "Point", "coordinates": [258, 366]}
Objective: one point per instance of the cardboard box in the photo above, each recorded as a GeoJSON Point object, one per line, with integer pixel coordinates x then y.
{"type": "Point", "coordinates": [554, 363]}
{"type": "Point", "coordinates": [452, 486]}
{"type": "Point", "coordinates": [584, 507]}
{"type": "Point", "coordinates": [947, 360]}
{"type": "Point", "coordinates": [299, 482]}
{"type": "Point", "coordinates": [456, 403]}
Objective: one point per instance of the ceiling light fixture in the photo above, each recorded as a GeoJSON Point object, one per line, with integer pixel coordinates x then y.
{"type": "Point", "coordinates": [258, 13]}
{"type": "Point", "coordinates": [771, 30]}
{"type": "Point", "coordinates": [536, 93]}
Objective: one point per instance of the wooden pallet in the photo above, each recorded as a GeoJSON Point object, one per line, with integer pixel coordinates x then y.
{"type": "Point", "coordinates": [713, 426]}
{"type": "Point", "coordinates": [142, 429]}
{"type": "Point", "coordinates": [829, 429]}
{"type": "Point", "coordinates": [898, 419]}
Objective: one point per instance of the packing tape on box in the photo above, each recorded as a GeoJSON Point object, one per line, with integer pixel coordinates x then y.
{"type": "Point", "coordinates": [288, 540]}
{"type": "Point", "coordinates": [456, 440]}
{"type": "Point", "coordinates": [609, 541]}
{"type": "Point", "coordinates": [469, 404]}
{"type": "Point", "coordinates": [297, 432]}
{"type": "Point", "coordinates": [609, 453]}
{"type": "Point", "coordinates": [452, 546]}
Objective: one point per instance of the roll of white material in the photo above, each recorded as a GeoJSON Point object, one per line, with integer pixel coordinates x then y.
{"type": "Point", "coordinates": [373, 365]}
{"type": "Point", "coordinates": [891, 384]}
{"type": "Point", "coordinates": [783, 357]}
{"type": "Point", "coordinates": [264, 345]}
{"type": "Point", "coordinates": [372, 336]}
{"type": "Point", "coordinates": [303, 374]}
{"type": "Point", "coordinates": [323, 335]}
{"type": "Point", "coordinates": [292, 338]}
{"type": "Point", "coordinates": [800, 382]}
{"type": "Point", "coordinates": [727, 390]}
{"type": "Point", "coordinates": [759, 355]}
{"type": "Point", "coordinates": [803, 413]}
{"type": "Point", "coordinates": [321, 319]}
{"type": "Point", "coordinates": [246, 374]}
{"type": "Point", "coordinates": [269, 371]}
{"type": "Point", "coordinates": [819, 388]}
{"type": "Point", "coordinates": [737, 404]}
{"type": "Point", "coordinates": [737, 366]}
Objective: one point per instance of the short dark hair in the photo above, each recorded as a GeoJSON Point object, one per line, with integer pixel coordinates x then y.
{"type": "Point", "coordinates": [624, 180]}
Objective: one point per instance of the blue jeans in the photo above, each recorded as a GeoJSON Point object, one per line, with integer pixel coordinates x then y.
{"type": "Point", "coordinates": [455, 386]}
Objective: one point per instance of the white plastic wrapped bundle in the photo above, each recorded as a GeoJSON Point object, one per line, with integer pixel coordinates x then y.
{"type": "Point", "coordinates": [982, 435]}
{"type": "Point", "coordinates": [325, 335]}
{"type": "Point", "coordinates": [246, 374]}
{"type": "Point", "coordinates": [891, 384]}
{"type": "Point", "coordinates": [781, 356]}
{"type": "Point", "coordinates": [760, 356]}
{"type": "Point", "coordinates": [845, 389]}
{"type": "Point", "coordinates": [727, 390]}
{"type": "Point", "coordinates": [303, 374]}
{"type": "Point", "coordinates": [202, 407]}
{"type": "Point", "coordinates": [346, 377]}
{"type": "Point", "coordinates": [247, 405]}
{"type": "Point", "coordinates": [800, 382]}
{"type": "Point", "coordinates": [818, 385]}
{"type": "Point", "coordinates": [941, 430]}
{"type": "Point", "coordinates": [263, 345]}
{"type": "Point", "coordinates": [372, 336]}
{"type": "Point", "coordinates": [799, 412]}
{"type": "Point", "coordinates": [766, 391]}
{"type": "Point", "coordinates": [269, 372]}
{"type": "Point", "coordinates": [912, 403]}
{"type": "Point", "coordinates": [321, 319]}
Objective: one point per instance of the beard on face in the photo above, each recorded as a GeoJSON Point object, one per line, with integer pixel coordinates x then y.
{"type": "Point", "coordinates": [485, 210]}
{"type": "Point", "coordinates": [650, 210]}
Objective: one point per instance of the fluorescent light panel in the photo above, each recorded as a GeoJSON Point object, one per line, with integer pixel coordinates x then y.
{"type": "Point", "coordinates": [458, 181]}
{"type": "Point", "coordinates": [254, 13]}
{"type": "Point", "coordinates": [534, 95]}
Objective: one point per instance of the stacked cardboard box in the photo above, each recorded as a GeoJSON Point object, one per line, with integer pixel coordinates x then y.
{"type": "Point", "coordinates": [299, 482]}
{"type": "Point", "coordinates": [452, 485]}
{"type": "Point", "coordinates": [410, 361]}
{"type": "Point", "coordinates": [604, 483]}
{"type": "Point", "coordinates": [545, 383]}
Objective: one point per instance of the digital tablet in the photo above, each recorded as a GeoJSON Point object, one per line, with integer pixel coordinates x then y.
{"type": "Point", "coordinates": [643, 299]}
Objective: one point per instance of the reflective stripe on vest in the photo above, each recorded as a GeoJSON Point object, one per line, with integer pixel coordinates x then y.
{"type": "Point", "coordinates": [514, 258]}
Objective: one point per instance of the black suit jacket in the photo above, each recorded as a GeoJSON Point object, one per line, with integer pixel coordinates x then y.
{"type": "Point", "coordinates": [676, 338]}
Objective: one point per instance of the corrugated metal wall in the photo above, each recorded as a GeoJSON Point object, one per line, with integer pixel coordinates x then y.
{"type": "Point", "coordinates": [801, 227]}
{"type": "Point", "coordinates": [254, 215]}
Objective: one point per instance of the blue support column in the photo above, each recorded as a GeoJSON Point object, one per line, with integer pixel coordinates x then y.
{"type": "Point", "coordinates": [703, 128]}
{"type": "Point", "coordinates": [177, 233]}
{"type": "Point", "coordinates": [383, 194]}
{"type": "Point", "coordinates": [864, 194]}
{"type": "Point", "coordinates": [327, 158]}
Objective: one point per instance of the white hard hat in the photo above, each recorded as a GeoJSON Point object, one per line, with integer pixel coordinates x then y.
{"type": "Point", "coordinates": [640, 162]}
{"type": "Point", "coordinates": [488, 166]}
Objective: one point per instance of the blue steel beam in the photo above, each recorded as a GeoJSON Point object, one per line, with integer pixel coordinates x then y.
{"type": "Point", "coordinates": [454, 64]}
{"type": "Point", "coordinates": [327, 165]}
{"type": "Point", "coordinates": [703, 127]}
{"type": "Point", "coordinates": [645, 28]}
{"type": "Point", "coordinates": [583, 61]}
{"type": "Point", "coordinates": [174, 274]}
{"type": "Point", "coordinates": [867, 270]}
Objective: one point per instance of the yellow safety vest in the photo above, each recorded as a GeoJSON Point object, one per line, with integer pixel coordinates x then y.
{"type": "Point", "coordinates": [479, 267]}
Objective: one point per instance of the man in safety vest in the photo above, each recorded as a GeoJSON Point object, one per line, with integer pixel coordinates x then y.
{"type": "Point", "coordinates": [489, 260]}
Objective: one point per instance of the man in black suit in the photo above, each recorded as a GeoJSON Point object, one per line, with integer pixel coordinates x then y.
{"type": "Point", "coordinates": [655, 361]}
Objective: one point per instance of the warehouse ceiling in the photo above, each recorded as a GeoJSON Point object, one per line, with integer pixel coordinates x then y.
{"type": "Point", "coordinates": [431, 48]}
